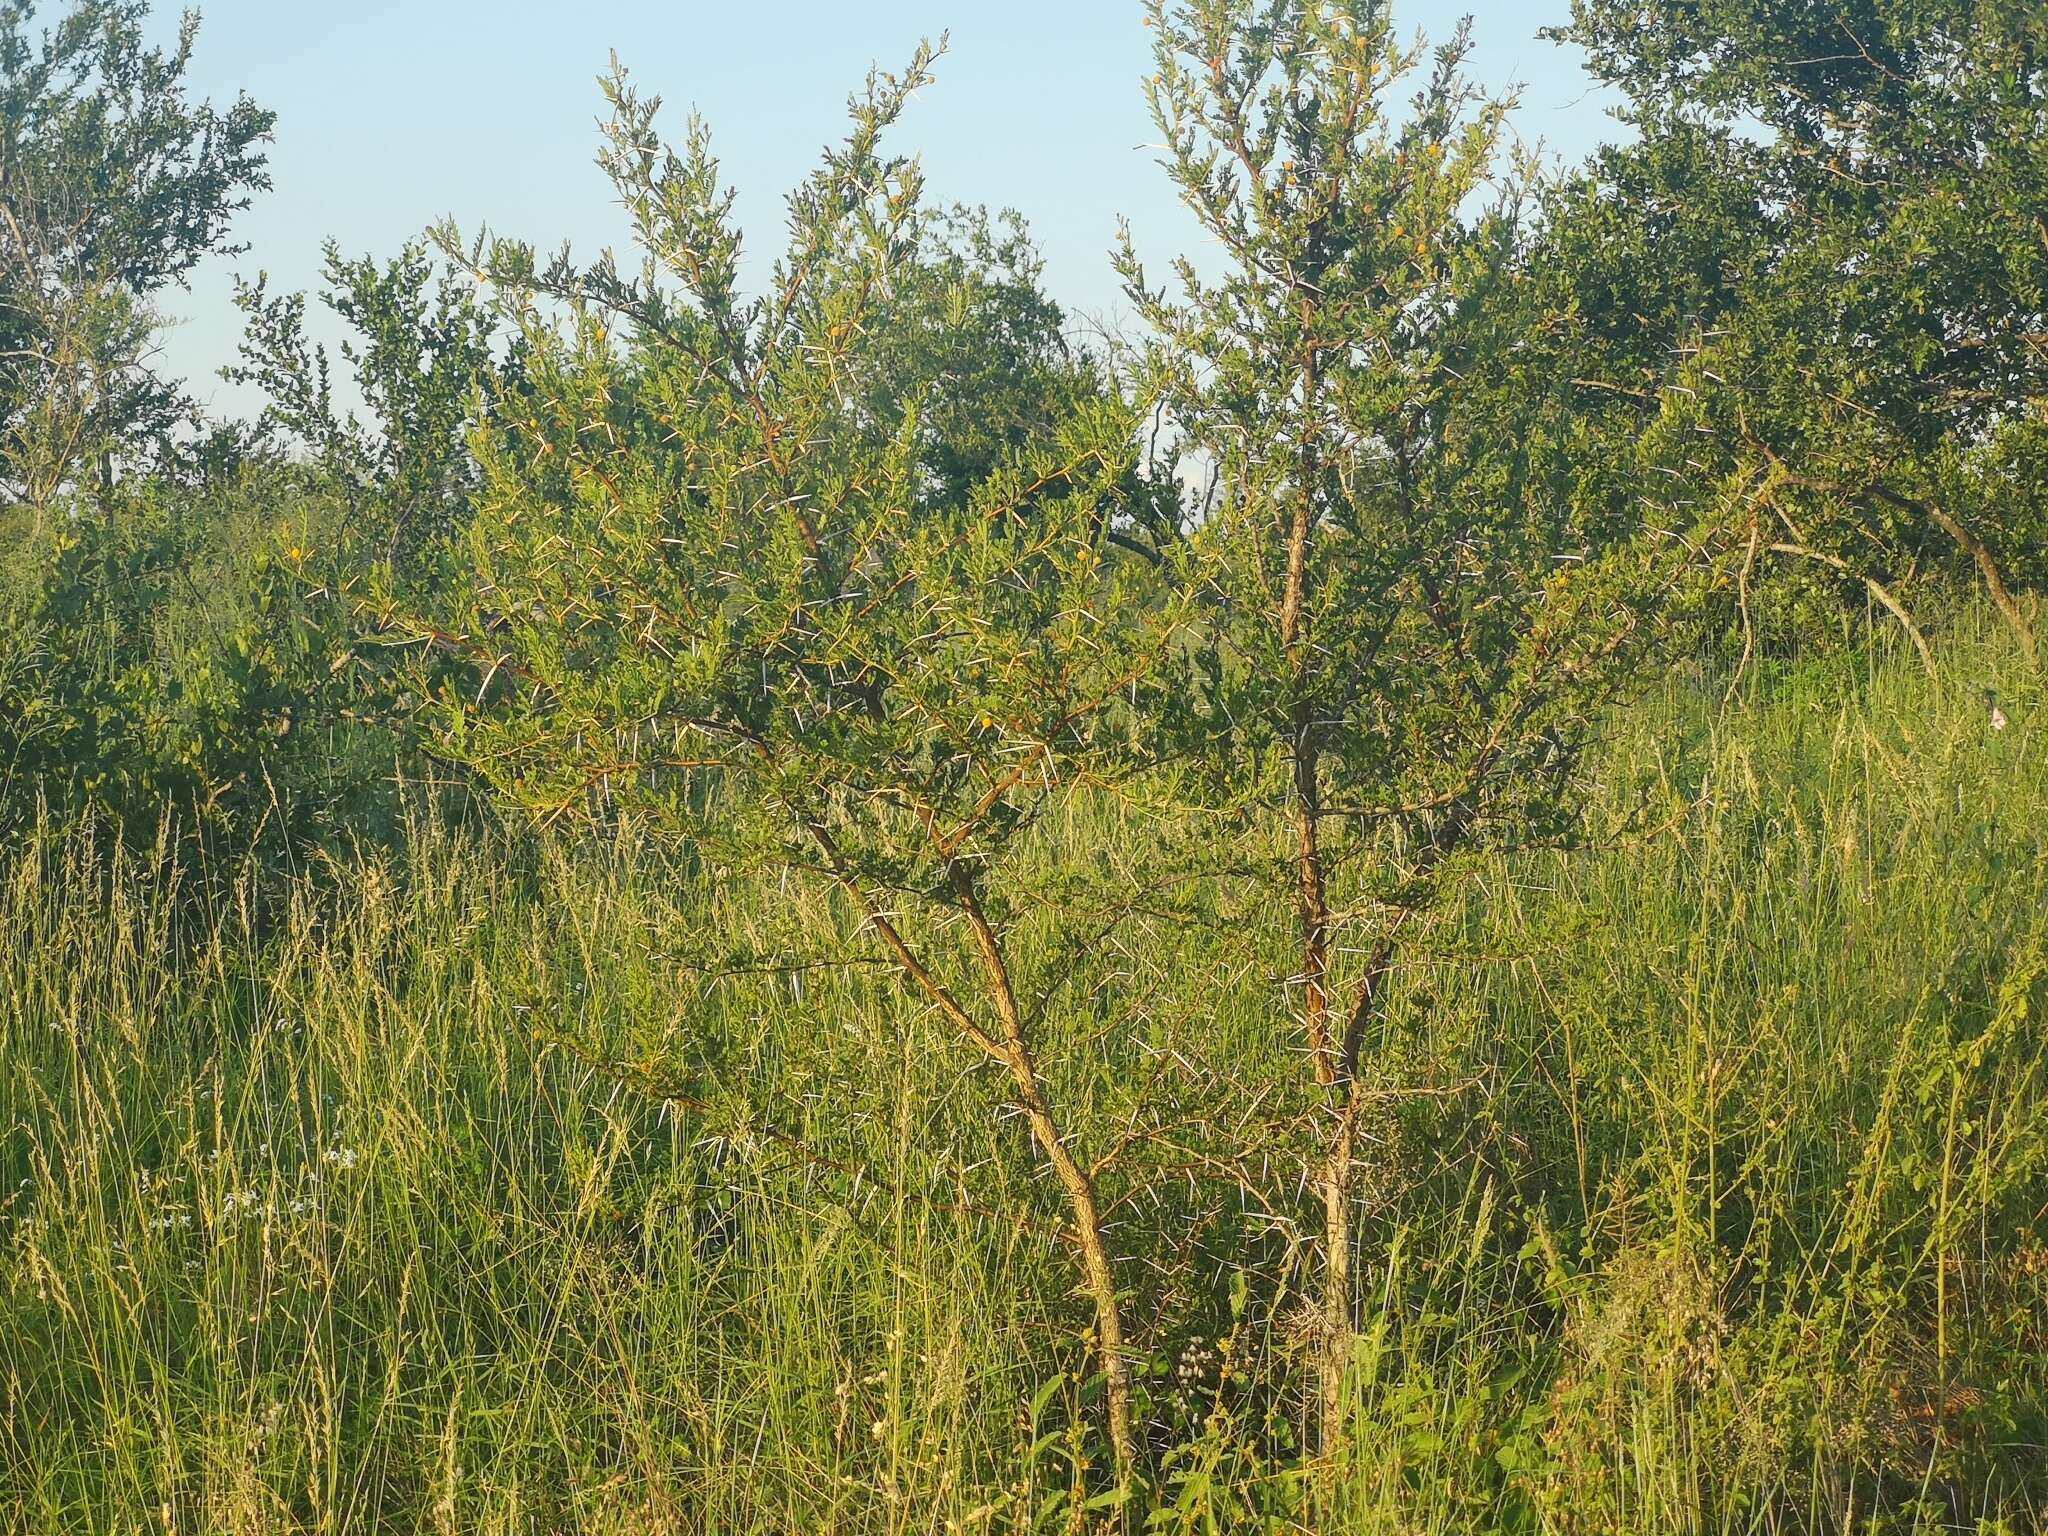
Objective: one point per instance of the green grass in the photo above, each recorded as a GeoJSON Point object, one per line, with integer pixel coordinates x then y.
{"type": "Point", "coordinates": [1711, 1187]}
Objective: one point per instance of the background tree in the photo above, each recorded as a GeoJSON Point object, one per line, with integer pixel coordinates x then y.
{"type": "Point", "coordinates": [970, 345]}
{"type": "Point", "coordinates": [425, 359]}
{"type": "Point", "coordinates": [1853, 356]}
{"type": "Point", "coordinates": [113, 185]}
{"type": "Point", "coordinates": [1410, 608]}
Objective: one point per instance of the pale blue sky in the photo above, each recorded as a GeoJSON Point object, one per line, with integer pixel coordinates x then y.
{"type": "Point", "coordinates": [391, 115]}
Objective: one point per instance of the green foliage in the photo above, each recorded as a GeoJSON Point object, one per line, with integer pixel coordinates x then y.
{"type": "Point", "coordinates": [967, 343]}
{"type": "Point", "coordinates": [713, 547]}
{"type": "Point", "coordinates": [162, 667]}
{"type": "Point", "coordinates": [1845, 355]}
{"type": "Point", "coordinates": [179, 645]}
{"type": "Point", "coordinates": [1395, 524]}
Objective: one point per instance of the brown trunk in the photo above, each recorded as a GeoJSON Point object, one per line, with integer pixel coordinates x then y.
{"type": "Point", "coordinates": [1337, 1257]}
{"type": "Point", "coordinates": [1313, 916]}
{"type": "Point", "coordinates": [1338, 1170]}
{"type": "Point", "coordinates": [1098, 1276]}
{"type": "Point", "coordinates": [1012, 1049]}
{"type": "Point", "coordinates": [1097, 1272]}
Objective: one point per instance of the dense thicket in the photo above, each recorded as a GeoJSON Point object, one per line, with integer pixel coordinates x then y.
{"type": "Point", "coordinates": [813, 905]}
{"type": "Point", "coordinates": [1820, 273]}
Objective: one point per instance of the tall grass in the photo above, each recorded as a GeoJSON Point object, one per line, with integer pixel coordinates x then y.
{"type": "Point", "coordinates": [448, 1192]}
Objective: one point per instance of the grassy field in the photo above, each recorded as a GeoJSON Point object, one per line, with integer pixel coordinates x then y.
{"type": "Point", "coordinates": [446, 1192]}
